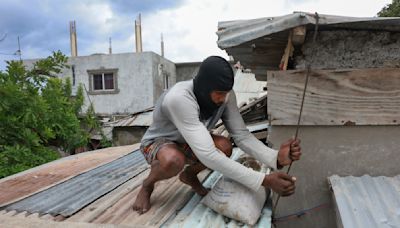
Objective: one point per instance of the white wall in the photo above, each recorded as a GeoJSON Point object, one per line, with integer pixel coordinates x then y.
{"type": "Point", "coordinates": [135, 78]}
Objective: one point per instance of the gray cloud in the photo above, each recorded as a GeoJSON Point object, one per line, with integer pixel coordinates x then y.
{"type": "Point", "coordinates": [144, 6]}
{"type": "Point", "coordinates": [43, 26]}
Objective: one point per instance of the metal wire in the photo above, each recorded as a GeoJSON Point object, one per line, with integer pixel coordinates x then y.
{"type": "Point", "coordinates": [301, 106]}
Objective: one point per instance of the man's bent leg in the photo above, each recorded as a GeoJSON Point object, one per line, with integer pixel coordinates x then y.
{"type": "Point", "coordinates": [170, 161]}
{"type": "Point", "coordinates": [189, 175]}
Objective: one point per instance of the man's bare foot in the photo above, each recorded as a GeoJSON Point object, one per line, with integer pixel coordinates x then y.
{"type": "Point", "coordinates": [142, 202]}
{"type": "Point", "coordinates": [193, 181]}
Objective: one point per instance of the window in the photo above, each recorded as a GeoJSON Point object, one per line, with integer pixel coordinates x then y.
{"type": "Point", "coordinates": [166, 83]}
{"type": "Point", "coordinates": [103, 81]}
{"type": "Point", "coordinates": [73, 75]}
{"type": "Point", "coordinates": [165, 76]}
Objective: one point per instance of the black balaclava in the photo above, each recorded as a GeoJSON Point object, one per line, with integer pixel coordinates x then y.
{"type": "Point", "coordinates": [215, 73]}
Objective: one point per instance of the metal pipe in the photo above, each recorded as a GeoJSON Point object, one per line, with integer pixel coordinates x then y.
{"type": "Point", "coordinates": [162, 45]}
{"type": "Point", "coordinates": [73, 39]}
{"type": "Point", "coordinates": [138, 34]}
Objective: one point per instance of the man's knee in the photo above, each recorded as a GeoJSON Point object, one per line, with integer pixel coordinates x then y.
{"type": "Point", "coordinates": [223, 144]}
{"type": "Point", "coordinates": [173, 162]}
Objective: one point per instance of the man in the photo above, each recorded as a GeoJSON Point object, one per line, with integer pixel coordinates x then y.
{"type": "Point", "coordinates": [180, 135]}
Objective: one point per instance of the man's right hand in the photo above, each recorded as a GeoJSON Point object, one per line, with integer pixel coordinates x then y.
{"type": "Point", "coordinates": [280, 183]}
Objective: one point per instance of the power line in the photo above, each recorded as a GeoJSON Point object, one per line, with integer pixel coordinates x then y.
{"type": "Point", "coordinates": [4, 37]}
{"type": "Point", "coordinates": [3, 53]}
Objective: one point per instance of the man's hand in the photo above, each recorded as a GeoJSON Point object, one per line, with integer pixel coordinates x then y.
{"type": "Point", "coordinates": [280, 183]}
{"type": "Point", "coordinates": [289, 151]}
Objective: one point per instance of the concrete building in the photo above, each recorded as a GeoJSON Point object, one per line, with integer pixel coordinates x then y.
{"type": "Point", "coordinates": [121, 84]}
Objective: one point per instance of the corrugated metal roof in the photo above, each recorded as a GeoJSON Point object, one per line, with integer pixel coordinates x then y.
{"type": "Point", "coordinates": [259, 44]}
{"type": "Point", "coordinates": [367, 201]}
{"type": "Point", "coordinates": [234, 33]}
{"type": "Point", "coordinates": [173, 203]}
{"type": "Point", "coordinates": [70, 196]}
{"type": "Point", "coordinates": [16, 222]}
{"type": "Point", "coordinates": [26, 183]}
{"type": "Point", "coordinates": [144, 119]}
{"type": "Point", "coordinates": [195, 214]}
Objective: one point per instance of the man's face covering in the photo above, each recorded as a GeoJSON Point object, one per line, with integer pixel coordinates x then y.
{"type": "Point", "coordinates": [215, 74]}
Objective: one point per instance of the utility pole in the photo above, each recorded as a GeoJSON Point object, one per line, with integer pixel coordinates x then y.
{"type": "Point", "coordinates": [19, 50]}
{"type": "Point", "coordinates": [73, 39]}
{"type": "Point", "coordinates": [138, 34]}
{"type": "Point", "coordinates": [109, 48]}
{"type": "Point", "coordinates": [162, 45]}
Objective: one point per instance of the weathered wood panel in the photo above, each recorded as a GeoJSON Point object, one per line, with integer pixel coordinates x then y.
{"type": "Point", "coordinates": [335, 97]}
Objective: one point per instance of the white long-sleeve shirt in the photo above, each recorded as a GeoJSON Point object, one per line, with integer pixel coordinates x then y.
{"type": "Point", "coordinates": [176, 118]}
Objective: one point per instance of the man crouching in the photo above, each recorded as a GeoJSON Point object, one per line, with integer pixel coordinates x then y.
{"type": "Point", "coordinates": [179, 135]}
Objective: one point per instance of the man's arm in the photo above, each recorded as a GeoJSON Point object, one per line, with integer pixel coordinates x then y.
{"type": "Point", "coordinates": [246, 141]}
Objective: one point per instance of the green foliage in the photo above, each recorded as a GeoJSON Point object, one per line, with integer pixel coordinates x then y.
{"type": "Point", "coordinates": [90, 121]}
{"type": "Point", "coordinates": [391, 10]}
{"type": "Point", "coordinates": [14, 159]}
{"type": "Point", "coordinates": [37, 111]}
{"type": "Point", "coordinates": [104, 142]}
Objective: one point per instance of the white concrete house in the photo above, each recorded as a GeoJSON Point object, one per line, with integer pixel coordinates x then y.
{"type": "Point", "coordinates": [120, 84]}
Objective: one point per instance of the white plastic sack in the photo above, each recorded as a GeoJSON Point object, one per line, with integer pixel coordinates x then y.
{"type": "Point", "coordinates": [236, 201]}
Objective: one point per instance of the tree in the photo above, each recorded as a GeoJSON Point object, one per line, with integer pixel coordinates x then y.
{"type": "Point", "coordinates": [37, 113]}
{"type": "Point", "coordinates": [390, 10]}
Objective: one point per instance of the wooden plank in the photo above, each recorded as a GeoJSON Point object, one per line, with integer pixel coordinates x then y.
{"type": "Point", "coordinates": [335, 97]}
{"type": "Point", "coordinates": [288, 52]}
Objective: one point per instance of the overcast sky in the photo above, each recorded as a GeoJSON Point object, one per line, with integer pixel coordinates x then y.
{"type": "Point", "coordinates": [188, 26]}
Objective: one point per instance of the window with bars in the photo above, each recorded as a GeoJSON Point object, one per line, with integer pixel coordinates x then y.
{"type": "Point", "coordinates": [103, 81]}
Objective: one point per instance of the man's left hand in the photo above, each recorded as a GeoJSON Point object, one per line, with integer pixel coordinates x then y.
{"type": "Point", "coordinates": [289, 151]}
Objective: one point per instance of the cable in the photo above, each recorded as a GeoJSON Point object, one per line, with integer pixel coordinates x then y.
{"type": "Point", "coordinates": [2, 53]}
{"type": "Point", "coordinates": [300, 213]}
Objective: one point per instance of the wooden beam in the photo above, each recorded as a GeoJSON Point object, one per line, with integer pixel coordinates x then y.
{"type": "Point", "coordinates": [335, 97]}
{"type": "Point", "coordinates": [288, 52]}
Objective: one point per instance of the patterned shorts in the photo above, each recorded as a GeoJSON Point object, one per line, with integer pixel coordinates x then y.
{"type": "Point", "coordinates": [150, 151]}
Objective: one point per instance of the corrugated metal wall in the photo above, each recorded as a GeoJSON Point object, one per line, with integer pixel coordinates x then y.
{"type": "Point", "coordinates": [367, 201]}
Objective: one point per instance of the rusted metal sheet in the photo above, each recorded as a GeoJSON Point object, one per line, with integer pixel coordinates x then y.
{"type": "Point", "coordinates": [24, 184]}
{"type": "Point", "coordinates": [19, 222]}
{"type": "Point", "coordinates": [98, 207]}
{"type": "Point", "coordinates": [174, 204]}
{"type": "Point", "coordinates": [367, 201]}
{"type": "Point", "coordinates": [70, 196]}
